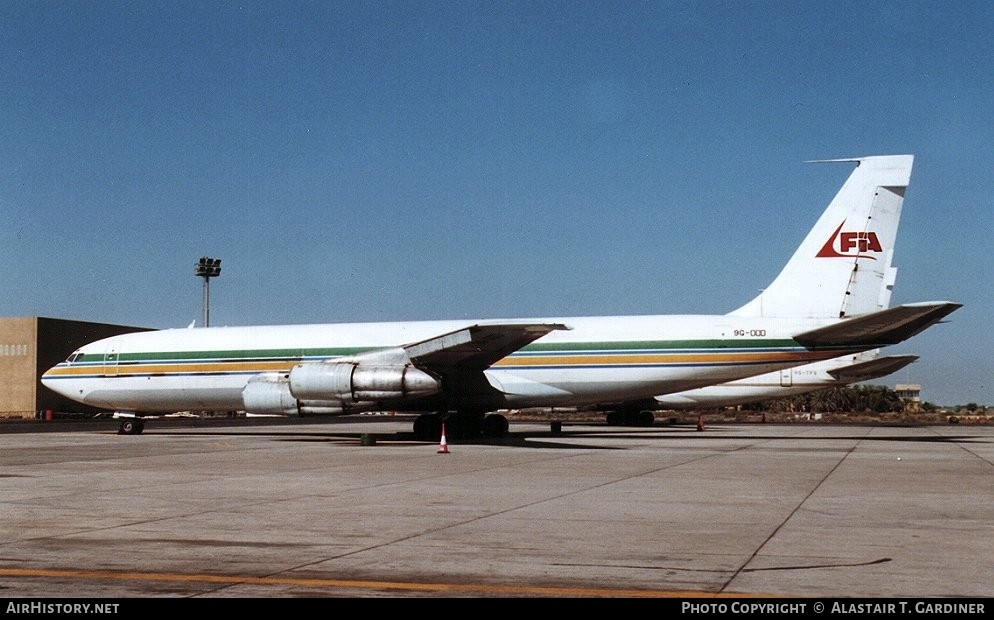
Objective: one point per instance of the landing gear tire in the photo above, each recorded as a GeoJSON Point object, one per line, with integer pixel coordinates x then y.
{"type": "Point", "coordinates": [131, 427]}
{"type": "Point", "coordinates": [463, 426]}
{"type": "Point", "coordinates": [495, 425]}
{"type": "Point", "coordinates": [428, 427]}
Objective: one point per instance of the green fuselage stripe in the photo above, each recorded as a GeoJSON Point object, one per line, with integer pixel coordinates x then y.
{"type": "Point", "coordinates": [535, 348]}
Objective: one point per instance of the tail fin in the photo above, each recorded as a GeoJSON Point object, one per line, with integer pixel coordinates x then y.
{"type": "Point", "coordinates": [843, 267]}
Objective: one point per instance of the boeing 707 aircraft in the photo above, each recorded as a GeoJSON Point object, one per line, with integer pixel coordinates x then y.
{"type": "Point", "coordinates": [836, 372]}
{"type": "Point", "coordinates": [789, 382]}
{"type": "Point", "coordinates": [828, 301]}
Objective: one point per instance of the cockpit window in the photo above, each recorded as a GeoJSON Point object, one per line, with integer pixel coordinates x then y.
{"type": "Point", "coordinates": [75, 356]}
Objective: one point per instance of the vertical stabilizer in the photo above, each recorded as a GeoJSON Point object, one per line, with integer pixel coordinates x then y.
{"type": "Point", "coordinates": [843, 267]}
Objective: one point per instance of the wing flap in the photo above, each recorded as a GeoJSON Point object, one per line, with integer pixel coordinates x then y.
{"type": "Point", "coordinates": [885, 327]}
{"type": "Point", "coordinates": [477, 347]}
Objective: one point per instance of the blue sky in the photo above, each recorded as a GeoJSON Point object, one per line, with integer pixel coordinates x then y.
{"type": "Point", "coordinates": [417, 160]}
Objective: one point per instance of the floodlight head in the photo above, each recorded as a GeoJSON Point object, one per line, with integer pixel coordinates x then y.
{"type": "Point", "coordinates": [208, 267]}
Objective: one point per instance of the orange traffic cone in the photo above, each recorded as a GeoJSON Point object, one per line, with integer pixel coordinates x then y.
{"type": "Point", "coordinates": [700, 423]}
{"type": "Point", "coordinates": [443, 448]}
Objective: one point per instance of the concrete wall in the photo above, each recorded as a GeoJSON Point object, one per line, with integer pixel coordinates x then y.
{"type": "Point", "coordinates": [18, 364]}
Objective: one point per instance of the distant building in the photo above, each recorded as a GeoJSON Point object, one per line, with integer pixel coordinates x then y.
{"type": "Point", "coordinates": [31, 345]}
{"type": "Point", "coordinates": [911, 394]}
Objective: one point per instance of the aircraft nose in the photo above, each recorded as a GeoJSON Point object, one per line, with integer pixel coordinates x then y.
{"type": "Point", "coordinates": [49, 380]}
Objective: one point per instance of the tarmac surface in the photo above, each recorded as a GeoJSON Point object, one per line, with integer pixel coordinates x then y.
{"type": "Point", "coordinates": [354, 507]}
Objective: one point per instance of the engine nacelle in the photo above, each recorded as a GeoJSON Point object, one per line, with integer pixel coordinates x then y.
{"type": "Point", "coordinates": [269, 393]}
{"type": "Point", "coordinates": [353, 381]}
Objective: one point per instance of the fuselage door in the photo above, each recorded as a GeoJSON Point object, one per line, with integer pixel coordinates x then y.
{"type": "Point", "coordinates": [111, 357]}
{"type": "Point", "coordinates": [787, 377]}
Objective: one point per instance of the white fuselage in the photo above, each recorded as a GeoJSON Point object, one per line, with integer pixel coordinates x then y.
{"type": "Point", "coordinates": [597, 359]}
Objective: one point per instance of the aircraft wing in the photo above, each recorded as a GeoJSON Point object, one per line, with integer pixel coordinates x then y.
{"type": "Point", "coordinates": [879, 367]}
{"type": "Point", "coordinates": [477, 347]}
{"type": "Point", "coordinates": [884, 327]}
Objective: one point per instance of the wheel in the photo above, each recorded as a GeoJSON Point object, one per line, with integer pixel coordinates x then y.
{"type": "Point", "coordinates": [428, 427]}
{"type": "Point", "coordinates": [466, 425]}
{"type": "Point", "coordinates": [495, 425]}
{"type": "Point", "coordinates": [131, 426]}
{"type": "Point", "coordinates": [645, 418]}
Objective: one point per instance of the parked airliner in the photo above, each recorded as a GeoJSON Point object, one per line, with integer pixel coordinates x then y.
{"type": "Point", "coordinates": [836, 372]}
{"type": "Point", "coordinates": [828, 301]}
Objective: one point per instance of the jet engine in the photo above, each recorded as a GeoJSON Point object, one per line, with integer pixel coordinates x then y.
{"type": "Point", "coordinates": [269, 393]}
{"type": "Point", "coordinates": [352, 381]}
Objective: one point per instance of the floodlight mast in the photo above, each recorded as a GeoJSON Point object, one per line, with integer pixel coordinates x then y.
{"type": "Point", "coordinates": [207, 268]}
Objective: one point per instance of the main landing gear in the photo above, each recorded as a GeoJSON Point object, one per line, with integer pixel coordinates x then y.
{"type": "Point", "coordinates": [630, 417]}
{"type": "Point", "coordinates": [428, 426]}
{"type": "Point", "coordinates": [131, 426]}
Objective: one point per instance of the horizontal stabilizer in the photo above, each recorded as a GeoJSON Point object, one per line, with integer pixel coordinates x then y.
{"type": "Point", "coordinates": [479, 346]}
{"type": "Point", "coordinates": [884, 327]}
{"type": "Point", "coordinates": [873, 369]}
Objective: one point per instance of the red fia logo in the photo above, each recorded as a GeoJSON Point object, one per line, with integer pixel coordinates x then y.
{"type": "Point", "coordinates": [862, 242]}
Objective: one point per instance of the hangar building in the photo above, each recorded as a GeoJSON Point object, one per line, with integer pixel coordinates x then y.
{"type": "Point", "coordinates": [31, 345]}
